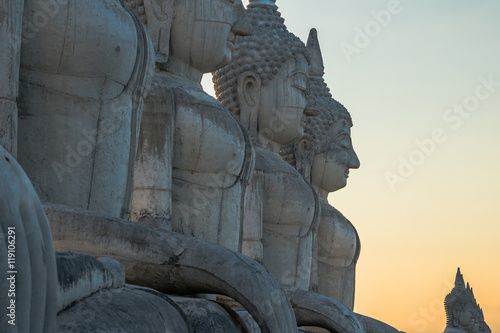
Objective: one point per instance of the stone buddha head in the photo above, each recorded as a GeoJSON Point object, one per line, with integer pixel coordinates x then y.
{"type": "Point", "coordinates": [462, 311]}
{"type": "Point", "coordinates": [326, 154]}
{"type": "Point", "coordinates": [265, 85]}
{"type": "Point", "coordinates": [195, 33]}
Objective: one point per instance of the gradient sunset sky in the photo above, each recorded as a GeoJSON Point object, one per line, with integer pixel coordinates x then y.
{"type": "Point", "coordinates": [425, 200]}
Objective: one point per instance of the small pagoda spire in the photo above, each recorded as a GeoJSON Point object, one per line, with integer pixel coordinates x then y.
{"type": "Point", "coordinates": [459, 280]}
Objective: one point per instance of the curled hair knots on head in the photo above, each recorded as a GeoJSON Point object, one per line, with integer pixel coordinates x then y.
{"type": "Point", "coordinates": [263, 52]}
{"type": "Point", "coordinates": [457, 300]}
{"type": "Point", "coordinates": [287, 153]}
{"type": "Point", "coordinates": [138, 7]}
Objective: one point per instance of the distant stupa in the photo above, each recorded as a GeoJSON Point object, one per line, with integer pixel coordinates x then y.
{"type": "Point", "coordinates": [463, 314]}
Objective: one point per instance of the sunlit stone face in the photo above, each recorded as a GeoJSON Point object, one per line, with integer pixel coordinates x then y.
{"type": "Point", "coordinates": [330, 168]}
{"type": "Point", "coordinates": [203, 32]}
{"type": "Point", "coordinates": [282, 103]}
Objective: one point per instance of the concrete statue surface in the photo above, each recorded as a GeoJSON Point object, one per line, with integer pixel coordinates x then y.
{"type": "Point", "coordinates": [10, 44]}
{"type": "Point", "coordinates": [84, 74]}
{"type": "Point", "coordinates": [194, 158]}
{"type": "Point", "coordinates": [173, 263]}
{"type": "Point", "coordinates": [463, 314]}
{"type": "Point", "coordinates": [171, 210]}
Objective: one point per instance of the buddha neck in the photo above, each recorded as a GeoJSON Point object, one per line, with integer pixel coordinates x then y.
{"type": "Point", "coordinates": [322, 194]}
{"type": "Point", "coordinates": [178, 67]}
{"type": "Point", "coordinates": [454, 330]}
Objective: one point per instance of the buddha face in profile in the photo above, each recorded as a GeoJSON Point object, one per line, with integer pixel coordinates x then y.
{"type": "Point", "coordinates": [466, 317]}
{"type": "Point", "coordinates": [282, 103]}
{"type": "Point", "coordinates": [334, 158]}
{"type": "Point", "coordinates": [329, 148]}
{"type": "Point", "coordinates": [470, 319]}
{"type": "Point", "coordinates": [203, 32]}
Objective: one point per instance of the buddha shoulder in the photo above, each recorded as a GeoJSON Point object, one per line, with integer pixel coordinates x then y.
{"type": "Point", "coordinates": [207, 139]}
{"type": "Point", "coordinates": [94, 41]}
{"type": "Point", "coordinates": [271, 163]}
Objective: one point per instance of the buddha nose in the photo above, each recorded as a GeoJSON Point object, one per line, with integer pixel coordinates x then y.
{"type": "Point", "coordinates": [242, 25]}
{"type": "Point", "coordinates": [353, 160]}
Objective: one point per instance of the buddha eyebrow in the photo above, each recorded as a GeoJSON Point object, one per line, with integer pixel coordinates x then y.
{"type": "Point", "coordinates": [299, 73]}
{"type": "Point", "coordinates": [341, 136]}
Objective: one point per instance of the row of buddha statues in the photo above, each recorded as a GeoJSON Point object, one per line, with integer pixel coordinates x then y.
{"type": "Point", "coordinates": [176, 192]}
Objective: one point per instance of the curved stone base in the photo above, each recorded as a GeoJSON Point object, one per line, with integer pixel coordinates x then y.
{"type": "Point", "coordinates": [124, 309]}
{"type": "Point", "coordinates": [375, 326]}
{"type": "Point", "coordinates": [206, 316]}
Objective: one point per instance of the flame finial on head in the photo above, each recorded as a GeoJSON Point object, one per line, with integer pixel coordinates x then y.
{"type": "Point", "coordinates": [459, 280]}
{"type": "Point", "coordinates": [317, 67]}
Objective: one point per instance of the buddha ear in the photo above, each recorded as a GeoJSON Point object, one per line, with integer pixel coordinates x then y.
{"type": "Point", "coordinates": [249, 86]}
{"type": "Point", "coordinates": [317, 172]}
{"type": "Point", "coordinates": [455, 317]}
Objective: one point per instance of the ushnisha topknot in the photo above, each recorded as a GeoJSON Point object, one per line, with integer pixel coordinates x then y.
{"type": "Point", "coordinates": [263, 52]}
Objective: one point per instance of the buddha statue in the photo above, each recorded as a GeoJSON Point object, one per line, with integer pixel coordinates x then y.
{"type": "Point", "coordinates": [462, 311]}
{"type": "Point", "coordinates": [265, 88]}
{"type": "Point", "coordinates": [325, 157]}
{"type": "Point", "coordinates": [85, 69]}
{"type": "Point", "coordinates": [194, 159]}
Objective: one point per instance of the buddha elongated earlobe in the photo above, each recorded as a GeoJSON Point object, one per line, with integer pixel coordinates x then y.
{"type": "Point", "coordinates": [304, 158]}
{"type": "Point", "coordinates": [249, 85]}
